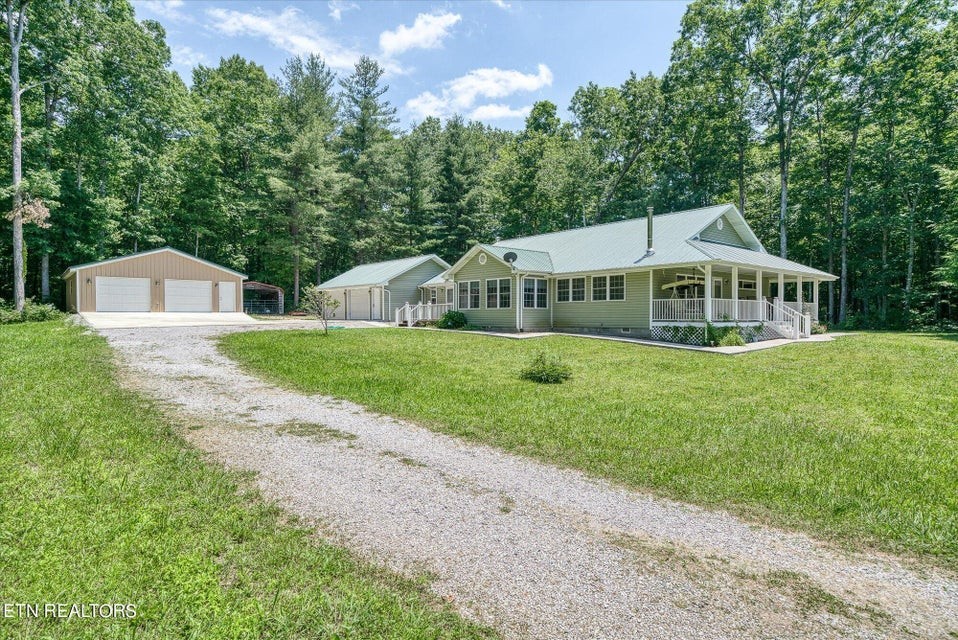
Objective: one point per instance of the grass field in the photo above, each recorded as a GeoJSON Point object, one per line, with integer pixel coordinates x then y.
{"type": "Point", "coordinates": [101, 502]}
{"type": "Point", "coordinates": [855, 440]}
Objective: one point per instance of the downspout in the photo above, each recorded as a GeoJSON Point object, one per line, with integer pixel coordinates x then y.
{"type": "Point", "coordinates": [518, 299]}
{"type": "Point", "coordinates": [551, 303]}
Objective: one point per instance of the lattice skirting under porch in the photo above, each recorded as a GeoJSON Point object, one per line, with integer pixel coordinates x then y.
{"type": "Point", "coordinates": [687, 334]}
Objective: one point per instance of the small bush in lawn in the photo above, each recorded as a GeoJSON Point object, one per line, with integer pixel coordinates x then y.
{"type": "Point", "coordinates": [452, 320]}
{"type": "Point", "coordinates": [32, 312]}
{"type": "Point", "coordinates": [732, 339]}
{"type": "Point", "coordinates": [819, 327]}
{"type": "Point", "coordinates": [546, 369]}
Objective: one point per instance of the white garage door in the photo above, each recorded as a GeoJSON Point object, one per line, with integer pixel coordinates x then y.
{"type": "Point", "coordinates": [122, 294]}
{"type": "Point", "coordinates": [188, 295]}
{"type": "Point", "coordinates": [359, 304]}
{"type": "Point", "coordinates": [227, 293]}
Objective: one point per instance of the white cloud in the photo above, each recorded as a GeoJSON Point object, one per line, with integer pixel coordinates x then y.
{"type": "Point", "coordinates": [184, 56]}
{"type": "Point", "coordinates": [338, 7]}
{"type": "Point", "coordinates": [288, 30]}
{"type": "Point", "coordinates": [499, 112]}
{"type": "Point", "coordinates": [427, 32]}
{"type": "Point", "coordinates": [169, 9]}
{"type": "Point", "coordinates": [461, 94]}
{"type": "Point", "coordinates": [502, 4]}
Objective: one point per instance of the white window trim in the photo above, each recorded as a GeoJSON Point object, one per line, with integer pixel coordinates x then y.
{"type": "Point", "coordinates": [468, 295]}
{"type": "Point", "coordinates": [608, 289]}
{"type": "Point", "coordinates": [585, 289]}
{"type": "Point", "coordinates": [498, 282]}
{"type": "Point", "coordinates": [535, 292]}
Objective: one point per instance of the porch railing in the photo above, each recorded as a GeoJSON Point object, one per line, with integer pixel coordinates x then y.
{"type": "Point", "coordinates": [783, 316]}
{"type": "Point", "coordinates": [409, 315]}
{"type": "Point", "coordinates": [806, 308]}
{"type": "Point", "coordinates": [678, 310]}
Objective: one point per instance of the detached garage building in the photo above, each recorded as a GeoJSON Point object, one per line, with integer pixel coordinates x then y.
{"type": "Point", "coordinates": [158, 280]}
{"type": "Point", "coordinates": [374, 291]}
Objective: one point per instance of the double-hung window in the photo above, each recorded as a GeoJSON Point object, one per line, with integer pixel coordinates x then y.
{"type": "Point", "coordinates": [570, 290]}
{"type": "Point", "coordinates": [535, 293]}
{"type": "Point", "coordinates": [469, 294]}
{"type": "Point", "coordinates": [617, 287]}
{"type": "Point", "coordinates": [499, 293]}
{"type": "Point", "coordinates": [600, 287]}
{"type": "Point", "coordinates": [608, 287]}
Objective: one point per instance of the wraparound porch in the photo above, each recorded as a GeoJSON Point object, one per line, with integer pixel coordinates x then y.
{"type": "Point", "coordinates": [734, 295]}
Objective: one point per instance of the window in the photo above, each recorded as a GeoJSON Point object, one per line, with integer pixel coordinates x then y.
{"type": "Point", "coordinates": [499, 293]}
{"type": "Point", "coordinates": [608, 287]}
{"type": "Point", "coordinates": [449, 295]}
{"type": "Point", "coordinates": [746, 284]}
{"type": "Point", "coordinates": [535, 293]}
{"type": "Point", "coordinates": [578, 289]}
{"type": "Point", "coordinates": [570, 290]}
{"type": "Point", "coordinates": [617, 287]}
{"type": "Point", "coordinates": [600, 287]}
{"type": "Point", "coordinates": [469, 294]}
{"type": "Point", "coordinates": [433, 296]}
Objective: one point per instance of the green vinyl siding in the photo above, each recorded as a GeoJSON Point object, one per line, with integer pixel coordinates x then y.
{"type": "Point", "coordinates": [727, 235]}
{"type": "Point", "coordinates": [614, 315]}
{"type": "Point", "coordinates": [483, 316]}
{"type": "Point", "coordinates": [405, 287]}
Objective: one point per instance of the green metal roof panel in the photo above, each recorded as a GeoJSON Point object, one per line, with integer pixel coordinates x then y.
{"type": "Point", "coordinates": [378, 273]}
{"type": "Point", "coordinates": [526, 259]}
{"type": "Point", "coordinates": [738, 255]}
{"type": "Point", "coordinates": [622, 245]}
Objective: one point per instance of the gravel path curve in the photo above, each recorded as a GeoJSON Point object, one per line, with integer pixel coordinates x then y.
{"type": "Point", "coordinates": [532, 550]}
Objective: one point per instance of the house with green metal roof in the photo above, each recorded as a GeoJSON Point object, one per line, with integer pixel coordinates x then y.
{"type": "Point", "coordinates": [661, 276]}
{"type": "Point", "coordinates": [374, 291]}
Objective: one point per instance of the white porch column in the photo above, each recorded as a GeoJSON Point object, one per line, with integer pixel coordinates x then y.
{"type": "Point", "coordinates": [798, 294]}
{"type": "Point", "coordinates": [780, 297]}
{"type": "Point", "coordinates": [734, 293]}
{"type": "Point", "coordinates": [759, 298]}
{"type": "Point", "coordinates": [815, 300]}
{"type": "Point", "coordinates": [708, 293]}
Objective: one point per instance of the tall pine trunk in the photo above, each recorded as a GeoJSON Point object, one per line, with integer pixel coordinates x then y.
{"type": "Point", "coordinates": [846, 220]}
{"type": "Point", "coordinates": [783, 204]}
{"type": "Point", "coordinates": [296, 276]}
{"type": "Point", "coordinates": [45, 277]}
{"type": "Point", "coordinates": [910, 269]}
{"type": "Point", "coordinates": [15, 32]}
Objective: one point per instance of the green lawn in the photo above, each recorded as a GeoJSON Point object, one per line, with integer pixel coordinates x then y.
{"type": "Point", "coordinates": [101, 501]}
{"type": "Point", "coordinates": [855, 440]}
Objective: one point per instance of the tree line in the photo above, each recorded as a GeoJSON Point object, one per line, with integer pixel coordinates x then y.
{"type": "Point", "coordinates": [832, 125]}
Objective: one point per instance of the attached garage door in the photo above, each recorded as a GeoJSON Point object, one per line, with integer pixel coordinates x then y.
{"type": "Point", "coordinates": [227, 294]}
{"type": "Point", "coordinates": [359, 304]}
{"type": "Point", "coordinates": [122, 294]}
{"type": "Point", "coordinates": [188, 295]}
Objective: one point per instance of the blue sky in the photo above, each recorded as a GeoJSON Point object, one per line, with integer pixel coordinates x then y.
{"type": "Point", "coordinates": [489, 60]}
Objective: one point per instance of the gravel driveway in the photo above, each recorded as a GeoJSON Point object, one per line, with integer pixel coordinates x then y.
{"type": "Point", "coordinates": [532, 550]}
